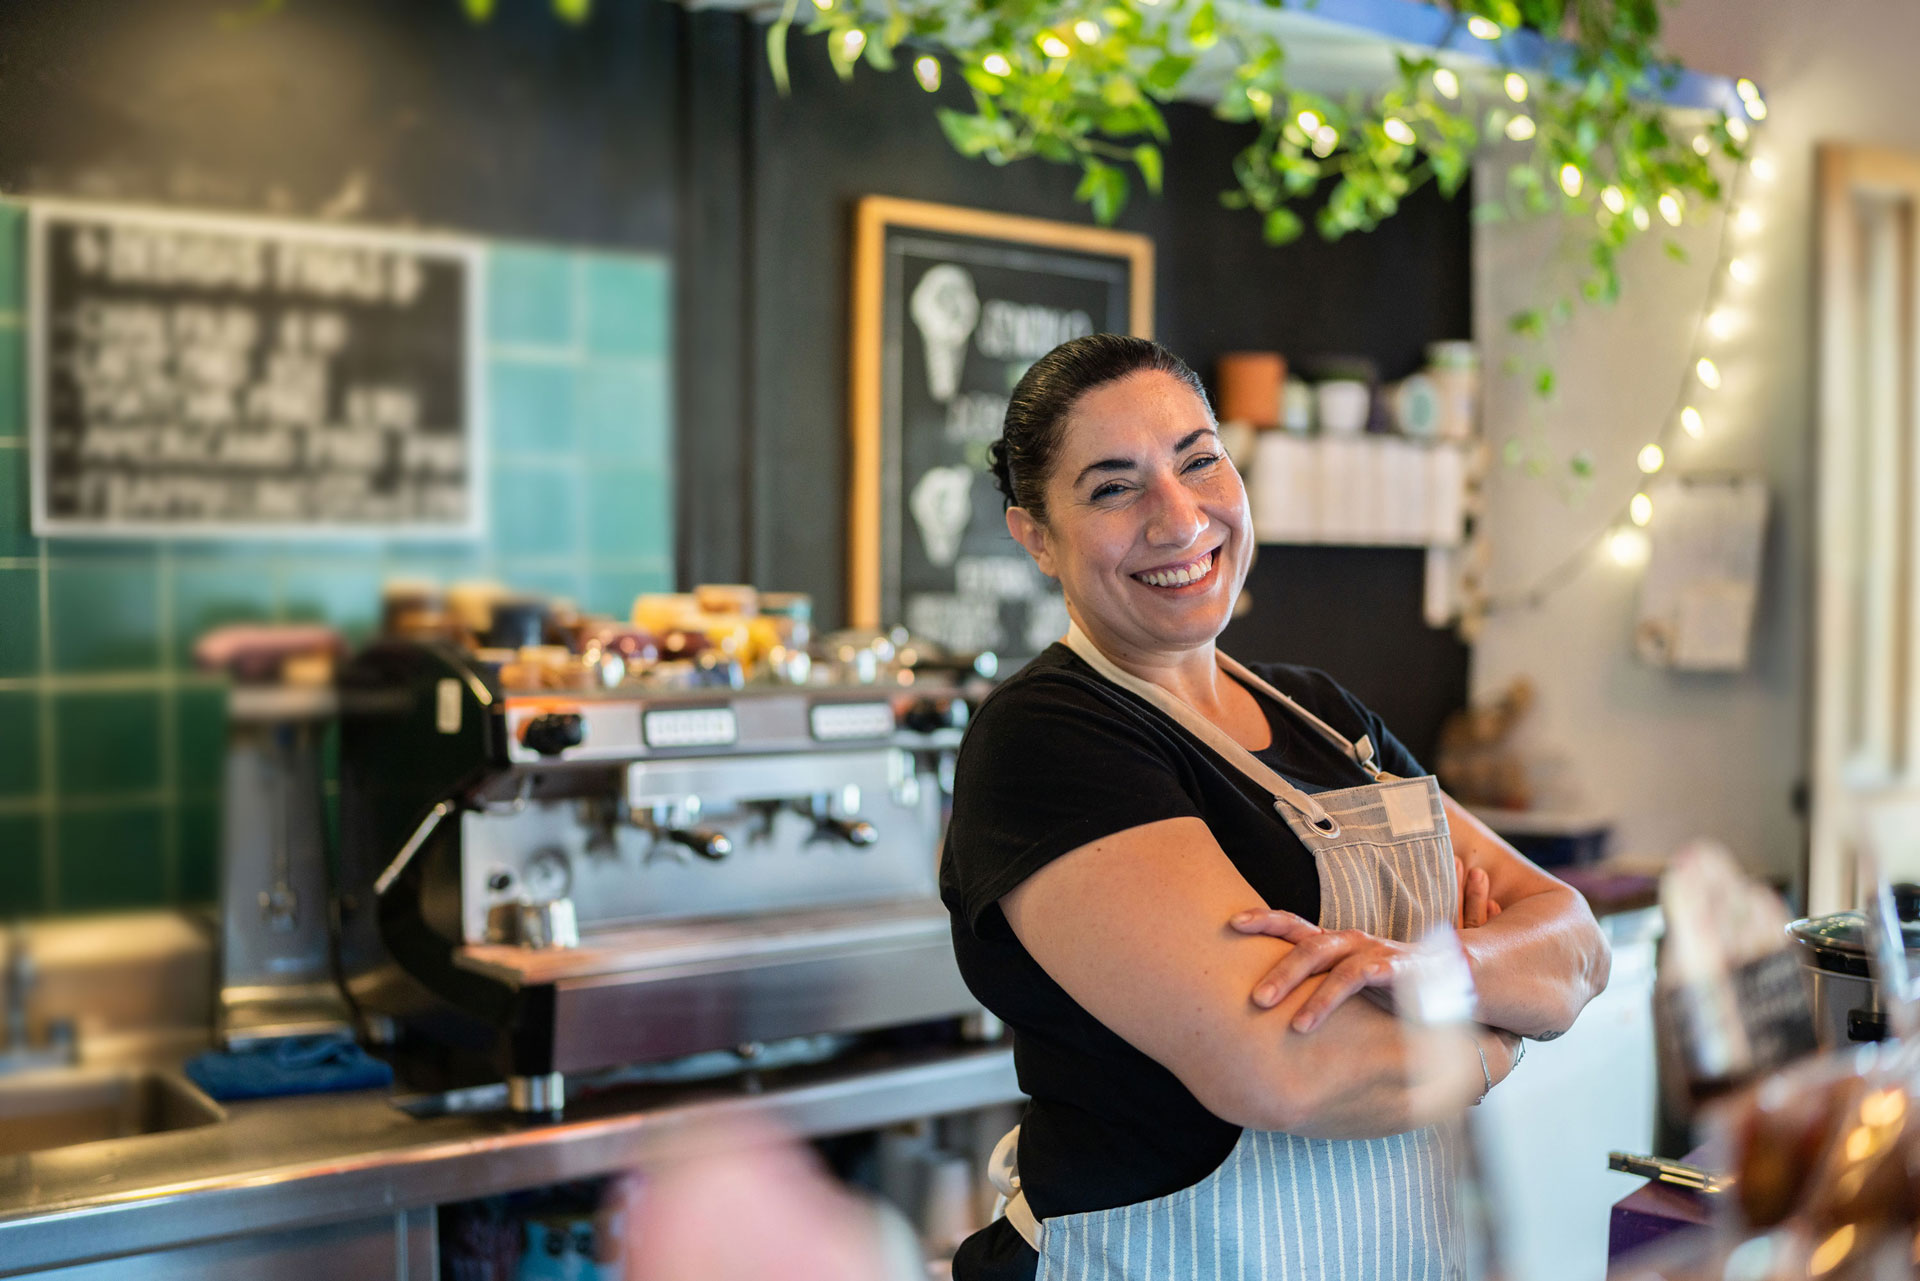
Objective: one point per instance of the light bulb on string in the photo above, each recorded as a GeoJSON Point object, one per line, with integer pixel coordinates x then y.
{"type": "Point", "coordinates": [1613, 198]}
{"type": "Point", "coordinates": [1708, 373]}
{"type": "Point", "coordinates": [1309, 122]}
{"type": "Point", "coordinates": [823, 5]}
{"type": "Point", "coordinates": [1757, 108]}
{"type": "Point", "coordinates": [1516, 86]}
{"type": "Point", "coordinates": [1628, 547]}
{"type": "Point", "coordinates": [1762, 168]}
{"type": "Point", "coordinates": [1398, 130]}
{"type": "Point", "coordinates": [926, 69]}
{"type": "Point", "coordinates": [996, 64]}
{"type": "Point", "coordinates": [1671, 209]}
{"type": "Point", "coordinates": [1571, 179]}
{"type": "Point", "coordinates": [1750, 97]}
{"type": "Point", "coordinates": [1325, 139]}
{"type": "Point", "coordinates": [1053, 46]}
{"type": "Point", "coordinates": [1721, 323]}
{"type": "Point", "coordinates": [1088, 30]}
{"type": "Point", "coordinates": [1640, 509]}
{"type": "Point", "coordinates": [1742, 270]}
{"type": "Point", "coordinates": [1259, 99]}
{"type": "Point", "coordinates": [1692, 423]}
{"type": "Point", "coordinates": [1737, 129]}
{"type": "Point", "coordinates": [1651, 458]}
{"type": "Point", "coordinates": [1520, 128]}
{"type": "Point", "coordinates": [1641, 218]}
{"type": "Point", "coordinates": [1748, 219]}
{"type": "Point", "coordinates": [852, 42]}
{"type": "Point", "coordinates": [1483, 28]}
{"type": "Point", "coordinates": [1702, 144]}
{"type": "Point", "coordinates": [1446, 82]}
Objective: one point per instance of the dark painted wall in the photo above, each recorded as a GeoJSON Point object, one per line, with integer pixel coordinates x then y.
{"type": "Point", "coordinates": [653, 128]}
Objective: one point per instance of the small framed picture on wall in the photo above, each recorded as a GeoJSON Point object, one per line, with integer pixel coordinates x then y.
{"type": "Point", "coordinates": [950, 308]}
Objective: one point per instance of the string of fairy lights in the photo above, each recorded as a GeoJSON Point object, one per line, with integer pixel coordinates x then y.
{"type": "Point", "coordinates": [1624, 533]}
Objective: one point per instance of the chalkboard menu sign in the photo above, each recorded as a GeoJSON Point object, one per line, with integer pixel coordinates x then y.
{"type": "Point", "coordinates": [951, 306]}
{"type": "Point", "coordinates": [207, 376]}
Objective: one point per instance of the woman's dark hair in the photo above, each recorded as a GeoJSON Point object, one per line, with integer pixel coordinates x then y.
{"type": "Point", "coordinates": [1022, 459]}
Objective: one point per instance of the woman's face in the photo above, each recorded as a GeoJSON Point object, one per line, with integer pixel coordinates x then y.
{"type": "Point", "coordinates": [1147, 528]}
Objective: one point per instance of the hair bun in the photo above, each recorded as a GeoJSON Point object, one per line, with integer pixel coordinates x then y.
{"type": "Point", "coordinates": [1002, 471]}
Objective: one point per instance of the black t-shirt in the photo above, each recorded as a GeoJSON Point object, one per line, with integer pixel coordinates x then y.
{"type": "Point", "coordinates": [1059, 757]}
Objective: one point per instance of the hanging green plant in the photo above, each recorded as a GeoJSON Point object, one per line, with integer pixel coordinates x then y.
{"type": "Point", "coordinates": [1084, 85]}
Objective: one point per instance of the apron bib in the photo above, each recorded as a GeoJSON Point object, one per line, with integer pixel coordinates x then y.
{"type": "Point", "coordinates": [1281, 1206]}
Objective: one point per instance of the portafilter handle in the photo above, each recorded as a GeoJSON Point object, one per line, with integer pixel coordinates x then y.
{"type": "Point", "coordinates": [854, 831]}
{"type": "Point", "coordinates": [709, 843]}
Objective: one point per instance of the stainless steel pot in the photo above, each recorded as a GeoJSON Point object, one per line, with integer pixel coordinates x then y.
{"type": "Point", "coordinates": [1833, 956]}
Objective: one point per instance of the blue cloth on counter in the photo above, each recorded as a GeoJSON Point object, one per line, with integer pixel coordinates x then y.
{"type": "Point", "coordinates": [288, 1065]}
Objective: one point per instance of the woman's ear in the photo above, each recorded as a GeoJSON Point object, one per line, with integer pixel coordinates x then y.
{"type": "Point", "coordinates": [1032, 535]}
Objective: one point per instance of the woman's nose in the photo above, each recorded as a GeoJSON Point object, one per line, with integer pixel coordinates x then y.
{"type": "Point", "coordinates": [1176, 518]}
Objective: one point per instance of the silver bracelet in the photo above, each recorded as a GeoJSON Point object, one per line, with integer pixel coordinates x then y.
{"type": "Point", "coordinates": [1485, 1074]}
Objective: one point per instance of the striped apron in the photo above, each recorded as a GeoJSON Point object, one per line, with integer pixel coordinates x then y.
{"type": "Point", "coordinates": [1281, 1206]}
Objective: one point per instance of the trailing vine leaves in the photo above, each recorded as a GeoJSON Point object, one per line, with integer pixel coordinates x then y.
{"type": "Point", "coordinates": [1084, 85]}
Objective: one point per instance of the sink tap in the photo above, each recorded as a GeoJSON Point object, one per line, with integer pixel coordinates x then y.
{"type": "Point", "coordinates": [18, 1055]}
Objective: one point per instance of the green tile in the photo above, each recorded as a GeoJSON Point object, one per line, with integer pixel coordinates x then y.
{"type": "Point", "coordinates": [346, 597]}
{"type": "Point", "coordinates": [110, 858]}
{"type": "Point", "coordinates": [21, 893]}
{"type": "Point", "coordinates": [530, 405]}
{"type": "Point", "coordinates": [545, 579]}
{"type": "Point", "coordinates": [19, 622]}
{"type": "Point", "coordinates": [16, 513]}
{"type": "Point", "coordinates": [611, 591]}
{"type": "Point", "coordinates": [203, 595]}
{"type": "Point", "coordinates": [13, 381]}
{"type": "Point", "coordinates": [624, 411]}
{"type": "Point", "coordinates": [19, 743]}
{"type": "Point", "coordinates": [629, 305]}
{"type": "Point", "coordinates": [629, 513]}
{"type": "Point", "coordinates": [530, 296]}
{"type": "Point", "coordinates": [535, 512]}
{"type": "Point", "coordinates": [200, 736]}
{"type": "Point", "coordinates": [106, 618]}
{"type": "Point", "coordinates": [13, 257]}
{"type": "Point", "coordinates": [126, 553]}
{"type": "Point", "coordinates": [196, 826]}
{"type": "Point", "coordinates": [107, 742]}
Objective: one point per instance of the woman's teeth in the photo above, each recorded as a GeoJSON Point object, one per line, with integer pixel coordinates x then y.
{"type": "Point", "coordinates": [1179, 575]}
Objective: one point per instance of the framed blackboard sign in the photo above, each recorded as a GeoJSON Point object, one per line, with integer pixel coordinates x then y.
{"type": "Point", "coordinates": [951, 306]}
{"type": "Point", "coordinates": [204, 376]}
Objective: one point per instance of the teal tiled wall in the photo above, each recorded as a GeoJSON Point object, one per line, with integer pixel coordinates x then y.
{"type": "Point", "coordinates": [110, 741]}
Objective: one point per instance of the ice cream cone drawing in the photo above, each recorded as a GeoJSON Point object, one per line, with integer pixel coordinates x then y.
{"type": "Point", "coordinates": [941, 503]}
{"type": "Point", "coordinates": [946, 308]}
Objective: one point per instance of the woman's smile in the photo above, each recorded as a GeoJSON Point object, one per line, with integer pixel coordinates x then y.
{"type": "Point", "coordinates": [1195, 574]}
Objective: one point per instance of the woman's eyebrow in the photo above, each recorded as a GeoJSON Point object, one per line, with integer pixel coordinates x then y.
{"type": "Point", "coordinates": [1127, 464]}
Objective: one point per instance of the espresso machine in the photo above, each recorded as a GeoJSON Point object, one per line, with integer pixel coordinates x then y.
{"type": "Point", "coordinates": [572, 881]}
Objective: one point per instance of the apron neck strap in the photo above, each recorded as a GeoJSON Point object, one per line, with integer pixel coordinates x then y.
{"type": "Point", "coordinates": [1183, 714]}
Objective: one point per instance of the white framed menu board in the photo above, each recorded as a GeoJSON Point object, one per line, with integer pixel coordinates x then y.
{"type": "Point", "coordinates": [204, 376]}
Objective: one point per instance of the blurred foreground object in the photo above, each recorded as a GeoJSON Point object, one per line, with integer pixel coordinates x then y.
{"type": "Point", "coordinates": [743, 1203]}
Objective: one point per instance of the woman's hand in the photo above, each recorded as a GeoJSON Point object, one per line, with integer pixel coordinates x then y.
{"type": "Point", "coordinates": [1352, 960]}
{"type": "Point", "coordinates": [1477, 905]}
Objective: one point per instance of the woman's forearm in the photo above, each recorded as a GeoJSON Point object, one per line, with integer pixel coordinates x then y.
{"type": "Point", "coordinates": [1362, 1074]}
{"type": "Point", "coordinates": [1538, 963]}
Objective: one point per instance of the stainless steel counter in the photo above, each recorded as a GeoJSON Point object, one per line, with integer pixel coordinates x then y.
{"type": "Point", "coordinates": [297, 1163]}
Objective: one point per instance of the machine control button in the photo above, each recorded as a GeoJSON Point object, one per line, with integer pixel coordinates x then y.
{"type": "Point", "coordinates": [554, 732]}
{"type": "Point", "coordinates": [501, 881]}
{"type": "Point", "coordinates": [837, 722]}
{"type": "Point", "coordinates": [690, 727]}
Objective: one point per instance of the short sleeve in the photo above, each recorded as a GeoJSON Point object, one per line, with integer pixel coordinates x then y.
{"type": "Point", "coordinates": [1049, 765]}
{"type": "Point", "coordinates": [1336, 705]}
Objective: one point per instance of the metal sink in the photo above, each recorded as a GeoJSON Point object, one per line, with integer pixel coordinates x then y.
{"type": "Point", "coordinates": [65, 1106]}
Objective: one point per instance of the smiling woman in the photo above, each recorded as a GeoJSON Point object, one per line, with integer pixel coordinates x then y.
{"type": "Point", "coordinates": [1168, 873]}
